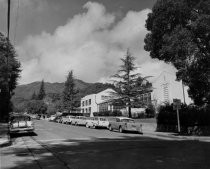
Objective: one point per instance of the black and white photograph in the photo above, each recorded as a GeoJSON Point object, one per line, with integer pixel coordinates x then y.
{"type": "Point", "coordinates": [104, 84]}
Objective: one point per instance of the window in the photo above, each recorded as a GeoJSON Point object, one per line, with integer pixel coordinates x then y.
{"type": "Point", "coordinates": [103, 107]}
{"type": "Point", "coordinates": [89, 101]}
{"type": "Point", "coordinates": [86, 102]}
{"type": "Point", "coordinates": [89, 109]}
{"type": "Point", "coordinates": [83, 103]}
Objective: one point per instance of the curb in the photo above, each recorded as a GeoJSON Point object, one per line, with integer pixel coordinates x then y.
{"type": "Point", "coordinates": [5, 141]}
{"type": "Point", "coordinates": [175, 136]}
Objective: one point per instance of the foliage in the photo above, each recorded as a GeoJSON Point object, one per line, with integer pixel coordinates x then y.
{"type": "Point", "coordinates": [70, 93]}
{"type": "Point", "coordinates": [9, 74]}
{"type": "Point", "coordinates": [108, 113]}
{"type": "Point", "coordinates": [190, 116]}
{"type": "Point", "coordinates": [42, 92]}
{"type": "Point", "coordinates": [36, 107]}
{"type": "Point", "coordinates": [150, 111]}
{"type": "Point", "coordinates": [180, 34]}
{"type": "Point", "coordinates": [128, 83]}
{"type": "Point", "coordinates": [34, 96]}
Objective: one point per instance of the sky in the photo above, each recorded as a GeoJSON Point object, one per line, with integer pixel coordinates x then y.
{"type": "Point", "coordinates": [52, 37]}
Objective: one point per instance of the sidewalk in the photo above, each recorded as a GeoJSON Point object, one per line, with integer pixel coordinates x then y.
{"type": "Point", "coordinates": [4, 137]}
{"type": "Point", "coordinates": [174, 136]}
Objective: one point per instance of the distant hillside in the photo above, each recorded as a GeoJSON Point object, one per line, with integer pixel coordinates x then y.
{"type": "Point", "coordinates": [23, 93]}
{"type": "Point", "coordinates": [26, 91]}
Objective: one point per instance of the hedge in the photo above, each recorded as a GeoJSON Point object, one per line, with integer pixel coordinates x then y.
{"type": "Point", "coordinates": [191, 118]}
{"type": "Point", "coordinates": [108, 113]}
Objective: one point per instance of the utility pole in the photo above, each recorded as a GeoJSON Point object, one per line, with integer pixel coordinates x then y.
{"type": "Point", "coordinates": [183, 92]}
{"type": "Point", "coordinates": [7, 59]}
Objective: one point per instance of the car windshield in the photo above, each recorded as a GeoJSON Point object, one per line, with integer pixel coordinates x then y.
{"type": "Point", "coordinates": [128, 120]}
{"type": "Point", "coordinates": [20, 118]}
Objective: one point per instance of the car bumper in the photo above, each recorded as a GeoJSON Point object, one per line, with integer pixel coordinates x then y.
{"type": "Point", "coordinates": [22, 130]}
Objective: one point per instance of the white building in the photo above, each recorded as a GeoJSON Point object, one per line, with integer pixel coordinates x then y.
{"type": "Point", "coordinates": [97, 102]}
{"type": "Point", "coordinates": [166, 88]}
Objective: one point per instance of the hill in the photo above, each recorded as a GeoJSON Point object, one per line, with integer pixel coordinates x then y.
{"type": "Point", "coordinates": [26, 91]}
{"type": "Point", "coordinates": [23, 93]}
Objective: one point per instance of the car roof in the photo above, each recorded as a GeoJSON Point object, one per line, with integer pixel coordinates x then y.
{"type": "Point", "coordinates": [19, 114]}
{"type": "Point", "coordinates": [124, 118]}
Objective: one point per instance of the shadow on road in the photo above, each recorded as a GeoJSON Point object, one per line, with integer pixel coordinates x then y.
{"type": "Point", "coordinates": [125, 153]}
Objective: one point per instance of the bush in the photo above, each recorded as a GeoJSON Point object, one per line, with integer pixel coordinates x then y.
{"type": "Point", "coordinates": [108, 113]}
{"type": "Point", "coordinates": [193, 119]}
{"type": "Point", "coordinates": [150, 111]}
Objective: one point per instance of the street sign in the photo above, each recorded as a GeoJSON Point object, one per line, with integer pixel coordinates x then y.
{"type": "Point", "coordinates": [176, 104]}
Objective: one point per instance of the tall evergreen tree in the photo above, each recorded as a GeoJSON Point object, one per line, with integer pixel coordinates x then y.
{"type": "Point", "coordinates": [70, 93]}
{"type": "Point", "coordinates": [126, 82]}
{"type": "Point", "coordinates": [42, 93]}
{"type": "Point", "coordinates": [9, 74]}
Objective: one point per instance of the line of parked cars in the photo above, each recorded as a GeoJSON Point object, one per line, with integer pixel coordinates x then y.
{"type": "Point", "coordinates": [121, 124]}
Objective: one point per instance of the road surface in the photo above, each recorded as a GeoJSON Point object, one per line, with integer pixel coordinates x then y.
{"type": "Point", "coordinates": [71, 147]}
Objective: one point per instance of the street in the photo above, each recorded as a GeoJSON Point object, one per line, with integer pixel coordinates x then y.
{"type": "Point", "coordinates": [60, 146]}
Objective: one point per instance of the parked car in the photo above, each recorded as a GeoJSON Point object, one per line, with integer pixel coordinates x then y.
{"type": "Point", "coordinates": [79, 120]}
{"type": "Point", "coordinates": [57, 119]}
{"type": "Point", "coordinates": [20, 123]}
{"type": "Point", "coordinates": [67, 119]}
{"type": "Point", "coordinates": [97, 122]}
{"type": "Point", "coordinates": [125, 124]}
{"type": "Point", "coordinates": [89, 122]}
{"type": "Point", "coordinates": [52, 117]}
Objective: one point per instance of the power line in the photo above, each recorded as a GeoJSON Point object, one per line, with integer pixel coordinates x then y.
{"type": "Point", "coordinates": [8, 19]}
{"type": "Point", "coordinates": [16, 22]}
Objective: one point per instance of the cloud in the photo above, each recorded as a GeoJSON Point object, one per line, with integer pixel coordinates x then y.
{"type": "Point", "coordinates": [91, 44]}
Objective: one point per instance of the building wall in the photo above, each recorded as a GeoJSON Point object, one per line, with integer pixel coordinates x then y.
{"type": "Point", "coordinates": [95, 100]}
{"type": "Point", "coordinates": [166, 88]}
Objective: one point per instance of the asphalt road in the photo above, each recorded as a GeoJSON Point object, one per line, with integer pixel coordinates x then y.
{"type": "Point", "coordinates": [63, 146]}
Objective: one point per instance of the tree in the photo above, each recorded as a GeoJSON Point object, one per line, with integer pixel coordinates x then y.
{"type": "Point", "coordinates": [36, 107]}
{"type": "Point", "coordinates": [9, 74]}
{"type": "Point", "coordinates": [126, 83]}
{"type": "Point", "coordinates": [70, 93]}
{"type": "Point", "coordinates": [180, 34]}
{"type": "Point", "coordinates": [34, 96]}
{"type": "Point", "coordinates": [42, 93]}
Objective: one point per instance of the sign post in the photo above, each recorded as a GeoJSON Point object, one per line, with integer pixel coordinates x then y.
{"type": "Point", "coordinates": [177, 106]}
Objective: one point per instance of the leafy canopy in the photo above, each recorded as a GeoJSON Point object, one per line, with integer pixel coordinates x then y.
{"type": "Point", "coordinates": [9, 74]}
{"type": "Point", "coordinates": [180, 34]}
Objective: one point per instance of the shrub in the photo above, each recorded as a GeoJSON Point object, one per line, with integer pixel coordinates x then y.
{"type": "Point", "coordinates": [150, 111]}
{"type": "Point", "coordinates": [108, 113]}
{"type": "Point", "coordinates": [191, 118]}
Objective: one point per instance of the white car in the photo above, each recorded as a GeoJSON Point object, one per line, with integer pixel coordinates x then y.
{"type": "Point", "coordinates": [67, 119]}
{"type": "Point", "coordinates": [79, 120]}
{"type": "Point", "coordinates": [20, 123]}
{"type": "Point", "coordinates": [52, 117]}
{"type": "Point", "coordinates": [97, 122]}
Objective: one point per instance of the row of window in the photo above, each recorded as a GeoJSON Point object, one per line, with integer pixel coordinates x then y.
{"type": "Point", "coordinates": [145, 98]}
{"type": "Point", "coordinates": [86, 110]}
{"type": "Point", "coordinates": [86, 102]}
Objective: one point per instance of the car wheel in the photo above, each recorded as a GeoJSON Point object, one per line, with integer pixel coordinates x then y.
{"type": "Point", "coordinates": [120, 130]}
{"type": "Point", "coordinates": [110, 128]}
{"type": "Point", "coordinates": [94, 126]}
{"type": "Point", "coordinates": [87, 125]}
{"type": "Point", "coordinates": [75, 124]}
